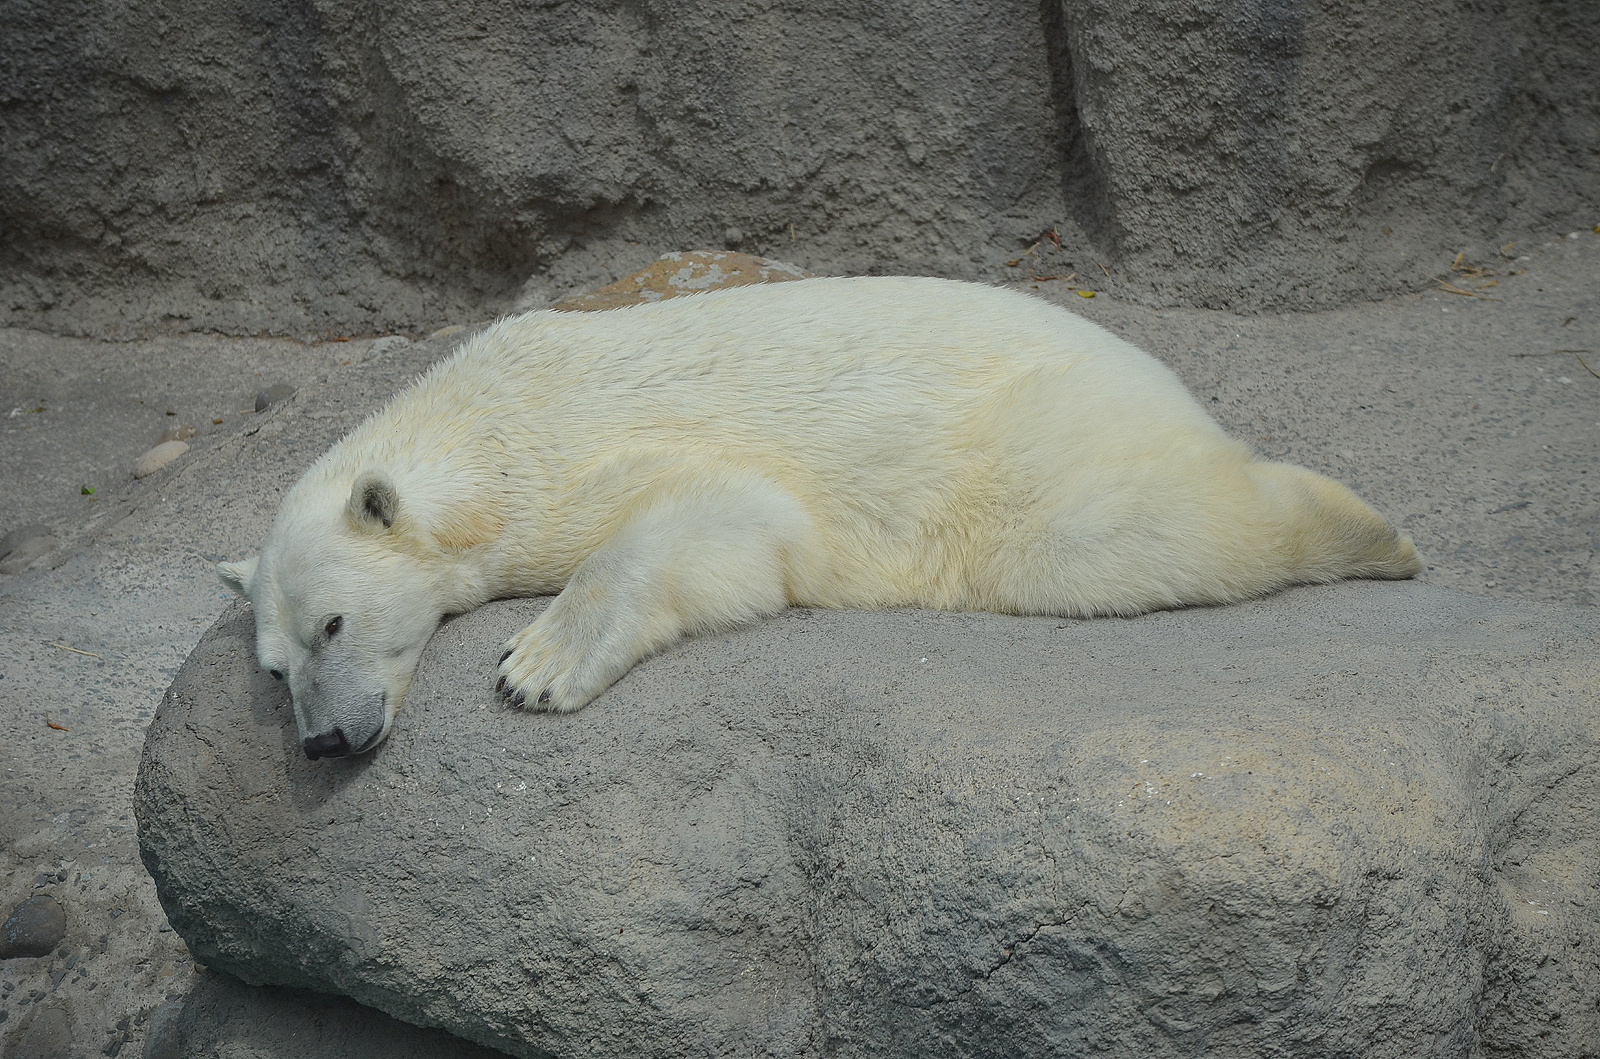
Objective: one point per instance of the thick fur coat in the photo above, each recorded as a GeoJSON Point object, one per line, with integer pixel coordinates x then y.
{"type": "Point", "coordinates": [674, 468]}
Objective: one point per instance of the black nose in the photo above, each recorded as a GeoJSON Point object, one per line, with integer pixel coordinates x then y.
{"type": "Point", "coordinates": [328, 744]}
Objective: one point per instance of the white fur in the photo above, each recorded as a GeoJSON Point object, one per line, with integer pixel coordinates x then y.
{"type": "Point", "coordinates": [697, 463]}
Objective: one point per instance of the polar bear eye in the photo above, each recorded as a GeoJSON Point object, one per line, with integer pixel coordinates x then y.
{"type": "Point", "coordinates": [333, 626]}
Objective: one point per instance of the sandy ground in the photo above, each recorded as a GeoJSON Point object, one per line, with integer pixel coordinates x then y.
{"type": "Point", "coordinates": [1457, 416]}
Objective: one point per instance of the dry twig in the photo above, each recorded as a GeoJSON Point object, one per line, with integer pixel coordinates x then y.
{"type": "Point", "coordinates": [1470, 271]}
{"type": "Point", "coordinates": [1579, 354]}
{"type": "Point", "coordinates": [1453, 289]}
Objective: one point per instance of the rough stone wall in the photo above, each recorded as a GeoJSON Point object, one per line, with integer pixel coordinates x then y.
{"type": "Point", "coordinates": [356, 167]}
{"type": "Point", "coordinates": [1250, 152]}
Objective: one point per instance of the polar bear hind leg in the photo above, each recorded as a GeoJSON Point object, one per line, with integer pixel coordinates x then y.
{"type": "Point", "coordinates": [1329, 533]}
{"type": "Point", "coordinates": [1149, 534]}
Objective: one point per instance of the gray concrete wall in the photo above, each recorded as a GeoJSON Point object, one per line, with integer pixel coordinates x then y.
{"type": "Point", "coordinates": [321, 167]}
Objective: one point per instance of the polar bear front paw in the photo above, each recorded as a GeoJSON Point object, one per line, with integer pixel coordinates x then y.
{"type": "Point", "coordinates": [557, 664]}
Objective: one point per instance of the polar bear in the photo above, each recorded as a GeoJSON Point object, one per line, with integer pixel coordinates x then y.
{"type": "Point", "coordinates": [673, 468]}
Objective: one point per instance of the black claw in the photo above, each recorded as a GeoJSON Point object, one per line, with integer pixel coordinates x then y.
{"type": "Point", "coordinates": [503, 658]}
{"type": "Point", "coordinates": [544, 696]}
{"type": "Point", "coordinates": [500, 685]}
{"type": "Point", "coordinates": [517, 701]}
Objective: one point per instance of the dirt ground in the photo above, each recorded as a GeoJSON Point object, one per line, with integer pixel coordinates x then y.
{"type": "Point", "coordinates": [1466, 418]}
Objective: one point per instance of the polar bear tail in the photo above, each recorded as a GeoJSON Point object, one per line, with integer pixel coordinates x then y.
{"type": "Point", "coordinates": [1329, 533]}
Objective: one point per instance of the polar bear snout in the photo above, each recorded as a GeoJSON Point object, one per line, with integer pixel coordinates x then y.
{"type": "Point", "coordinates": [341, 706]}
{"type": "Point", "coordinates": [354, 729]}
{"type": "Point", "coordinates": [328, 744]}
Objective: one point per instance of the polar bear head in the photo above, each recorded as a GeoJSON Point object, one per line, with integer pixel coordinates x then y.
{"type": "Point", "coordinates": [344, 605]}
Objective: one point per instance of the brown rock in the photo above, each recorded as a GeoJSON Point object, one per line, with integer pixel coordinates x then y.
{"type": "Point", "coordinates": [686, 272]}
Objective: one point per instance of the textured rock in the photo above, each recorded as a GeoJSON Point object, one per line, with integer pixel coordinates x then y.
{"type": "Point", "coordinates": [679, 273]}
{"type": "Point", "coordinates": [350, 168]}
{"type": "Point", "coordinates": [384, 346]}
{"type": "Point", "coordinates": [22, 546]}
{"type": "Point", "coordinates": [159, 457]}
{"type": "Point", "coordinates": [359, 168]}
{"type": "Point", "coordinates": [22, 535]}
{"type": "Point", "coordinates": [1231, 154]}
{"type": "Point", "coordinates": [222, 1018]}
{"type": "Point", "coordinates": [43, 1033]}
{"type": "Point", "coordinates": [162, 1039]}
{"type": "Point", "coordinates": [34, 928]}
{"type": "Point", "coordinates": [1352, 820]}
{"type": "Point", "coordinates": [274, 394]}
{"type": "Point", "coordinates": [184, 432]}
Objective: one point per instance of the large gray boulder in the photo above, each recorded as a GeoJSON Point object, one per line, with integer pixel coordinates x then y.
{"type": "Point", "coordinates": [365, 168]}
{"type": "Point", "coordinates": [1349, 820]}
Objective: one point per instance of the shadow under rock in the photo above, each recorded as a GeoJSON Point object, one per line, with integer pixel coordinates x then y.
{"type": "Point", "coordinates": [223, 1018]}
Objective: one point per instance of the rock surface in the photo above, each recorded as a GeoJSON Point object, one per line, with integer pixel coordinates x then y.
{"type": "Point", "coordinates": [45, 1033]}
{"type": "Point", "coordinates": [182, 432]}
{"type": "Point", "coordinates": [341, 169]}
{"type": "Point", "coordinates": [1347, 820]}
{"type": "Point", "coordinates": [20, 547]}
{"type": "Point", "coordinates": [1241, 154]}
{"type": "Point", "coordinates": [20, 536]}
{"type": "Point", "coordinates": [158, 457]}
{"type": "Point", "coordinates": [34, 928]}
{"type": "Point", "coordinates": [280, 392]}
{"type": "Point", "coordinates": [680, 273]}
{"type": "Point", "coordinates": [222, 1018]}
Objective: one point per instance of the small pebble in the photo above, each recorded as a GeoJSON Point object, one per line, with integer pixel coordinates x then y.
{"type": "Point", "coordinates": [162, 1039]}
{"type": "Point", "coordinates": [732, 237]}
{"type": "Point", "coordinates": [35, 928]}
{"type": "Point", "coordinates": [159, 457]}
{"type": "Point", "coordinates": [273, 395]}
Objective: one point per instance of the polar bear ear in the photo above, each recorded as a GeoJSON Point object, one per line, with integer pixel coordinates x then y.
{"type": "Point", "coordinates": [374, 503]}
{"type": "Point", "coordinates": [239, 576]}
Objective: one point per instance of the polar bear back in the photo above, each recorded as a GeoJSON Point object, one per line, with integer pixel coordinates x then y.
{"type": "Point", "coordinates": [953, 445]}
{"type": "Point", "coordinates": [832, 380]}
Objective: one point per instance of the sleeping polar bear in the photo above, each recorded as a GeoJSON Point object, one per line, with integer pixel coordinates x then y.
{"type": "Point", "coordinates": [685, 466]}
